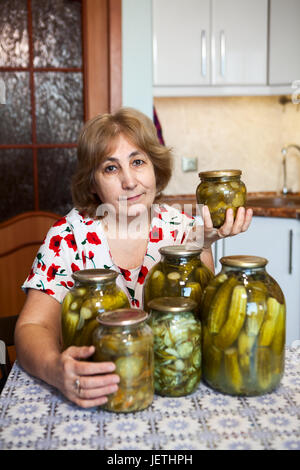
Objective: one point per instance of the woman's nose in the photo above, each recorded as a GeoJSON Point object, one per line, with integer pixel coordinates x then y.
{"type": "Point", "coordinates": [128, 179]}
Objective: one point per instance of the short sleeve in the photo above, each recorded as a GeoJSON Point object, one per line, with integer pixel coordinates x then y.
{"type": "Point", "coordinates": [55, 262]}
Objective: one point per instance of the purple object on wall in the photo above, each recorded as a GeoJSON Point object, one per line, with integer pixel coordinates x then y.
{"type": "Point", "coordinates": [158, 127]}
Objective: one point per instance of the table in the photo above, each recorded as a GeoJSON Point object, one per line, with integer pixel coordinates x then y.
{"type": "Point", "coordinates": [33, 415]}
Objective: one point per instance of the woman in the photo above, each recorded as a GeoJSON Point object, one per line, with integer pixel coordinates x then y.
{"type": "Point", "coordinates": [122, 170]}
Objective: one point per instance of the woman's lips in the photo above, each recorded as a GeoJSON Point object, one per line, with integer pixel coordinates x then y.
{"type": "Point", "coordinates": [134, 198]}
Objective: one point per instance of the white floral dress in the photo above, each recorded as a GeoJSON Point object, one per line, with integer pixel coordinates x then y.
{"type": "Point", "coordinates": [77, 242]}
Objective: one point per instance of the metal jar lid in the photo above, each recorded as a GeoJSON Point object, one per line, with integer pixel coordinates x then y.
{"type": "Point", "coordinates": [219, 173]}
{"type": "Point", "coordinates": [172, 304]}
{"type": "Point", "coordinates": [122, 317]}
{"type": "Point", "coordinates": [244, 261]}
{"type": "Point", "coordinates": [94, 275]}
{"type": "Point", "coordinates": [180, 250]}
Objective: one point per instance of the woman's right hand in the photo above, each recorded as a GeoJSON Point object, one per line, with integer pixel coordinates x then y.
{"type": "Point", "coordinates": [85, 383]}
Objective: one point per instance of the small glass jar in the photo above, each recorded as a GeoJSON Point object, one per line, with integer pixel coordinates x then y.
{"type": "Point", "coordinates": [221, 190]}
{"type": "Point", "coordinates": [180, 273]}
{"type": "Point", "coordinates": [177, 345]}
{"type": "Point", "coordinates": [95, 291]}
{"type": "Point", "coordinates": [124, 337]}
{"type": "Point", "coordinates": [243, 320]}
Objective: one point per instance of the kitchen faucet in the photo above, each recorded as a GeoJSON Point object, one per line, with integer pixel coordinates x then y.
{"type": "Point", "coordinates": [284, 152]}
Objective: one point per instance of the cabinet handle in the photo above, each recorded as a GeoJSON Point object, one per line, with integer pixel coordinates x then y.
{"type": "Point", "coordinates": [222, 53]}
{"type": "Point", "coordinates": [203, 53]}
{"type": "Point", "coordinates": [290, 251]}
{"type": "Point", "coordinates": [216, 254]}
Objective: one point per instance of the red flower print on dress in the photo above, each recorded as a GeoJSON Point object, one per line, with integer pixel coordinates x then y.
{"type": "Point", "coordinates": [74, 267]}
{"type": "Point", "coordinates": [59, 222]}
{"type": "Point", "coordinates": [52, 271]}
{"type": "Point", "coordinates": [31, 275]}
{"type": "Point", "coordinates": [49, 291]}
{"type": "Point", "coordinates": [156, 234]}
{"type": "Point", "coordinates": [174, 234]}
{"type": "Point", "coordinates": [142, 274]}
{"type": "Point", "coordinates": [71, 241]}
{"type": "Point", "coordinates": [55, 244]}
{"type": "Point", "coordinates": [126, 274]}
{"type": "Point", "coordinates": [93, 238]}
{"type": "Point", "coordinates": [135, 303]}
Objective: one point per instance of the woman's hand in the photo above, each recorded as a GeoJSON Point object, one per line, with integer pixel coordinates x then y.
{"type": "Point", "coordinates": [85, 383]}
{"type": "Point", "coordinates": [230, 227]}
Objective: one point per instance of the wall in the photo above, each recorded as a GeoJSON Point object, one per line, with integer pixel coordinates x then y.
{"type": "Point", "coordinates": [137, 55]}
{"type": "Point", "coordinates": [231, 132]}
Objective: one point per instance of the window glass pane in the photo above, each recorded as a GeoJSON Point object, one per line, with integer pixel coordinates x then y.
{"type": "Point", "coordinates": [57, 33]}
{"type": "Point", "coordinates": [59, 106]}
{"type": "Point", "coordinates": [55, 170]}
{"type": "Point", "coordinates": [15, 115]}
{"type": "Point", "coordinates": [16, 189]}
{"type": "Point", "coordinates": [14, 48]}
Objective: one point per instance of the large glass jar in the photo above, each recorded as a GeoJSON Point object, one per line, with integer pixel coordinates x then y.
{"type": "Point", "coordinates": [243, 320]}
{"type": "Point", "coordinates": [177, 345]}
{"type": "Point", "coordinates": [221, 190]}
{"type": "Point", "coordinates": [95, 291]}
{"type": "Point", "coordinates": [179, 273]}
{"type": "Point", "coordinates": [124, 337]}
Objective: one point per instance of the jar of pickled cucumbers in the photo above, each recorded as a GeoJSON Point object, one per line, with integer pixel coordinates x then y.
{"type": "Point", "coordinates": [124, 337]}
{"type": "Point", "coordinates": [221, 190]}
{"type": "Point", "coordinates": [243, 321]}
{"type": "Point", "coordinates": [95, 291]}
{"type": "Point", "coordinates": [177, 345]}
{"type": "Point", "coordinates": [179, 273]}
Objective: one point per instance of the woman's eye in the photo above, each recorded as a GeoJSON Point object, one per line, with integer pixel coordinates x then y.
{"type": "Point", "coordinates": [138, 162]}
{"type": "Point", "coordinates": [110, 168]}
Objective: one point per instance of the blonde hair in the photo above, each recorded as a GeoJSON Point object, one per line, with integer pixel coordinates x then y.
{"type": "Point", "coordinates": [97, 141]}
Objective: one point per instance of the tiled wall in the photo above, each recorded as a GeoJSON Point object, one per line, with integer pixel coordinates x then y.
{"type": "Point", "coordinates": [231, 132]}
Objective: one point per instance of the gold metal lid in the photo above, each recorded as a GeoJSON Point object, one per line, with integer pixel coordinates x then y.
{"type": "Point", "coordinates": [122, 317]}
{"type": "Point", "coordinates": [172, 304]}
{"type": "Point", "coordinates": [219, 173]}
{"type": "Point", "coordinates": [180, 250]}
{"type": "Point", "coordinates": [94, 275]}
{"type": "Point", "coordinates": [244, 261]}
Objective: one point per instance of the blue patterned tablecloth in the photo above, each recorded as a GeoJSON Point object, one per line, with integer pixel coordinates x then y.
{"type": "Point", "coordinates": [33, 415]}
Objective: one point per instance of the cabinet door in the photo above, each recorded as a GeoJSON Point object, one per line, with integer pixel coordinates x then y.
{"type": "Point", "coordinates": [284, 41]}
{"type": "Point", "coordinates": [239, 42]}
{"type": "Point", "coordinates": [181, 42]}
{"type": "Point", "coordinates": [278, 240]}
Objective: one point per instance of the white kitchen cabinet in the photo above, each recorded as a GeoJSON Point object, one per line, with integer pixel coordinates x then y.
{"type": "Point", "coordinates": [284, 41]}
{"type": "Point", "coordinates": [181, 42]}
{"type": "Point", "coordinates": [239, 42]}
{"type": "Point", "coordinates": [198, 42]}
{"type": "Point", "coordinates": [278, 240]}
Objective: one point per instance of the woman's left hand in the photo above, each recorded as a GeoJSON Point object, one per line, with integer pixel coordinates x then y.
{"type": "Point", "coordinates": [230, 227]}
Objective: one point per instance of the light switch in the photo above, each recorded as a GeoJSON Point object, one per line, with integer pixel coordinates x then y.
{"type": "Point", "coordinates": [189, 164]}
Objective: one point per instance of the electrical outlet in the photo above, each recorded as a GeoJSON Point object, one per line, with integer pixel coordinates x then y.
{"type": "Point", "coordinates": [189, 164]}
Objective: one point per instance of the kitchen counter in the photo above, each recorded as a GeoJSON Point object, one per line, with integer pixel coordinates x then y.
{"type": "Point", "coordinates": [188, 204]}
{"type": "Point", "coordinates": [33, 415]}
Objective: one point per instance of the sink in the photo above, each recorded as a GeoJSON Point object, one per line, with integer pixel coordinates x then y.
{"type": "Point", "coordinates": [289, 200]}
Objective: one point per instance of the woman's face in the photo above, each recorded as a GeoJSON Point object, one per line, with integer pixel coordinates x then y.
{"type": "Point", "coordinates": [126, 179]}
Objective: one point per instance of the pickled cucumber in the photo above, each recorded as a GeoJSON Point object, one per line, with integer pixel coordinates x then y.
{"type": "Point", "coordinates": [245, 351]}
{"type": "Point", "coordinates": [235, 320]}
{"type": "Point", "coordinates": [264, 368]}
{"type": "Point", "coordinates": [233, 374]}
{"type": "Point", "coordinates": [269, 325]}
{"type": "Point", "coordinates": [256, 307]}
{"type": "Point", "coordinates": [193, 291]}
{"type": "Point", "coordinates": [219, 306]}
{"type": "Point", "coordinates": [157, 283]}
{"type": "Point", "coordinates": [69, 327]}
{"type": "Point", "coordinates": [278, 341]}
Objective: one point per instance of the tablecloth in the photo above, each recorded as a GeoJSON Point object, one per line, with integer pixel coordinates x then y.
{"type": "Point", "coordinates": [33, 415]}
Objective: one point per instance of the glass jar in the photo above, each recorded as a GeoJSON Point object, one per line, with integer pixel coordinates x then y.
{"type": "Point", "coordinates": [221, 190]}
{"type": "Point", "coordinates": [243, 321]}
{"type": "Point", "coordinates": [177, 345]}
{"type": "Point", "coordinates": [180, 273]}
{"type": "Point", "coordinates": [124, 337]}
{"type": "Point", "coordinates": [95, 291]}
